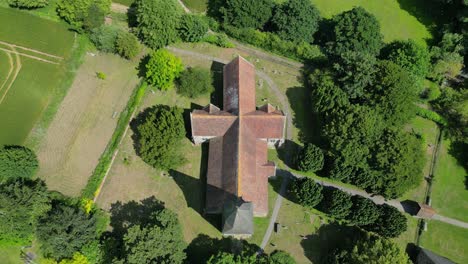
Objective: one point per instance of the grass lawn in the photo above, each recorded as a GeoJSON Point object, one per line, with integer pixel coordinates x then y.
{"type": "Point", "coordinates": [124, 2]}
{"type": "Point", "coordinates": [10, 254]}
{"type": "Point", "coordinates": [196, 5]}
{"type": "Point", "coordinates": [449, 194]}
{"type": "Point", "coordinates": [446, 240]}
{"type": "Point", "coordinates": [35, 88]}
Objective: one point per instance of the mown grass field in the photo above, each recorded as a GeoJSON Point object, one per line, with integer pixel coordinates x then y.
{"type": "Point", "coordinates": [26, 97]}
{"type": "Point", "coordinates": [196, 5]}
{"type": "Point", "coordinates": [124, 2]}
{"type": "Point", "coordinates": [446, 240]}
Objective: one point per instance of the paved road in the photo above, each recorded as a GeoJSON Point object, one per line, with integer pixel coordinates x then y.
{"type": "Point", "coordinates": [451, 221]}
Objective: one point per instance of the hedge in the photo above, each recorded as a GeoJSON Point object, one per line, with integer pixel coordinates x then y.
{"type": "Point", "coordinates": [431, 115]}
{"type": "Point", "coordinates": [92, 187]}
{"type": "Point", "coordinates": [272, 42]}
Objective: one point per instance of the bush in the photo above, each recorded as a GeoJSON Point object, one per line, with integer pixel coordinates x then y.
{"type": "Point", "coordinates": [192, 28]}
{"type": "Point", "coordinates": [246, 13]}
{"type": "Point", "coordinates": [16, 162]}
{"type": "Point", "coordinates": [364, 211]}
{"type": "Point", "coordinates": [281, 257]}
{"type": "Point", "coordinates": [101, 75]}
{"type": "Point", "coordinates": [219, 40]}
{"type": "Point", "coordinates": [390, 223]}
{"type": "Point", "coordinates": [28, 3]}
{"type": "Point", "coordinates": [431, 115]}
{"type": "Point", "coordinates": [162, 69]}
{"type": "Point", "coordinates": [410, 56]}
{"type": "Point", "coordinates": [336, 203]}
{"type": "Point", "coordinates": [307, 192]}
{"type": "Point", "coordinates": [194, 82]}
{"type": "Point", "coordinates": [104, 38]}
{"type": "Point", "coordinates": [310, 158]}
{"type": "Point", "coordinates": [83, 14]}
{"type": "Point", "coordinates": [126, 45]}
{"type": "Point", "coordinates": [159, 130]}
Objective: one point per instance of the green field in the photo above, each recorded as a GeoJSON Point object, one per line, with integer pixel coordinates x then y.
{"type": "Point", "coordinates": [446, 240]}
{"type": "Point", "coordinates": [196, 5]}
{"type": "Point", "coordinates": [449, 193]}
{"type": "Point", "coordinates": [24, 100]}
{"type": "Point", "coordinates": [124, 2]}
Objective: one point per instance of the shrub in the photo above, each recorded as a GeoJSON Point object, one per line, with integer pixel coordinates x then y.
{"type": "Point", "coordinates": [219, 40]}
{"type": "Point", "coordinates": [101, 75]}
{"type": "Point", "coordinates": [194, 82]}
{"type": "Point", "coordinates": [17, 161]}
{"type": "Point", "coordinates": [157, 21]}
{"type": "Point", "coordinates": [410, 56]}
{"type": "Point", "coordinates": [83, 13]}
{"type": "Point", "coordinates": [246, 13]}
{"type": "Point", "coordinates": [431, 115]}
{"type": "Point", "coordinates": [192, 28]}
{"type": "Point", "coordinates": [281, 257]}
{"type": "Point", "coordinates": [336, 203]}
{"type": "Point", "coordinates": [162, 69]}
{"type": "Point", "coordinates": [364, 211]}
{"type": "Point", "coordinates": [104, 38]}
{"type": "Point", "coordinates": [307, 192]}
{"type": "Point", "coordinates": [159, 131]}
{"type": "Point", "coordinates": [126, 45]}
{"type": "Point", "coordinates": [390, 223]}
{"type": "Point", "coordinates": [310, 158]}
{"type": "Point", "coordinates": [28, 3]}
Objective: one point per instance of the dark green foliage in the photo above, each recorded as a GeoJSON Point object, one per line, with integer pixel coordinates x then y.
{"type": "Point", "coordinates": [192, 28]}
{"type": "Point", "coordinates": [64, 230]}
{"type": "Point", "coordinates": [355, 72]}
{"type": "Point", "coordinates": [390, 223]}
{"type": "Point", "coordinates": [220, 40]}
{"type": "Point", "coordinates": [296, 20]}
{"type": "Point", "coordinates": [162, 242]}
{"type": "Point", "coordinates": [363, 212]}
{"type": "Point", "coordinates": [22, 201]}
{"type": "Point", "coordinates": [355, 30]}
{"type": "Point", "coordinates": [246, 13]}
{"type": "Point", "coordinates": [159, 130]}
{"type": "Point", "coordinates": [281, 257]}
{"type": "Point", "coordinates": [307, 192]}
{"type": "Point", "coordinates": [272, 42]}
{"type": "Point", "coordinates": [17, 161]}
{"type": "Point", "coordinates": [410, 56]}
{"type": "Point", "coordinates": [229, 258]}
{"type": "Point", "coordinates": [336, 203]}
{"type": "Point", "coordinates": [326, 95]}
{"type": "Point", "coordinates": [157, 21]}
{"type": "Point", "coordinates": [194, 82]}
{"type": "Point", "coordinates": [126, 45]}
{"type": "Point", "coordinates": [452, 104]}
{"type": "Point", "coordinates": [104, 38]}
{"type": "Point", "coordinates": [28, 3]}
{"type": "Point", "coordinates": [162, 69]}
{"type": "Point", "coordinates": [310, 158]}
{"type": "Point", "coordinates": [83, 14]}
{"type": "Point", "coordinates": [446, 57]}
{"type": "Point", "coordinates": [431, 115]}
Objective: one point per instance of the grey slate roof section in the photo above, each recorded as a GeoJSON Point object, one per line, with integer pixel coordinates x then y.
{"type": "Point", "coordinates": [238, 218]}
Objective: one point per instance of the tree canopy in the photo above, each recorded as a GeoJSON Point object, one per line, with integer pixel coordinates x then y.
{"type": "Point", "coordinates": [307, 192]}
{"type": "Point", "coordinates": [364, 211]}
{"type": "Point", "coordinates": [195, 81]}
{"type": "Point", "coordinates": [87, 14]}
{"type": "Point", "coordinates": [126, 45]}
{"type": "Point", "coordinates": [159, 130]}
{"type": "Point", "coordinates": [409, 55]}
{"type": "Point", "coordinates": [157, 21]}
{"type": "Point", "coordinates": [162, 69]}
{"type": "Point", "coordinates": [17, 161]}
{"type": "Point", "coordinates": [390, 223]}
{"type": "Point", "coordinates": [192, 28]}
{"type": "Point", "coordinates": [296, 20]}
{"type": "Point", "coordinates": [310, 158]}
{"type": "Point", "coordinates": [246, 13]}
{"type": "Point", "coordinates": [336, 203]}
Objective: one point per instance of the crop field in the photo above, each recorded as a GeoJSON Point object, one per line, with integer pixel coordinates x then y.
{"type": "Point", "coordinates": [33, 52]}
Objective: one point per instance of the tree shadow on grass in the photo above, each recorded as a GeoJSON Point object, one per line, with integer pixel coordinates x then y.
{"type": "Point", "coordinates": [287, 152]}
{"type": "Point", "coordinates": [329, 238]}
{"type": "Point", "coordinates": [218, 83]}
{"type": "Point", "coordinates": [459, 151]}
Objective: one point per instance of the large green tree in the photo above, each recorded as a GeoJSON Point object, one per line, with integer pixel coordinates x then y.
{"type": "Point", "coordinates": [126, 45]}
{"type": "Point", "coordinates": [87, 14]}
{"type": "Point", "coordinates": [310, 158]}
{"type": "Point", "coordinates": [364, 211]}
{"type": "Point", "coordinates": [307, 192]}
{"type": "Point", "coordinates": [355, 30]}
{"type": "Point", "coordinates": [390, 223]}
{"type": "Point", "coordinates": [246, 13]}
{"type": "Point", "coordinates": [326, 95]}
{"type": "Point", "coordinates": [194, 82]}
{"type": "Point", "coordinates": [17, 161]}
{"type": "Point", "coordinates": [159, 131]}
{"type": "Point", "coordinates": [162, 69]}
{"type": "Point", "coordinates": [192, 28]}
{"type": "Point", "coordinates": [296, 20]}
{"type": "Point", "coordinates": [28, 3]}
{"type": "Point", "coordinates": [409, 55]}
{"type": "Point", "coordinates": [65, 230]}
{"type": "Point", "coordinates": [157, 21]}
{"type": "Point", "coordinates": [336, 203]}
{"type": "Point", "coordinates": [446, 57]}
{"type": "Point", "coordinates": [22, 201]}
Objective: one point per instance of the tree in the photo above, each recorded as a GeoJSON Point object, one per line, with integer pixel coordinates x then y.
{"type": "Point", "coordinates": [162, 69]}
{"type": "Point", "coordinates": [162, 242]}
{"type": "Point", "coordinates": [83, 13]}
{"type": "Point", "coordinates": [159, 131]}
{"type": "Point", "coordinates": [364, 211]}
{"type": "Point", "coordinates": [310, 158]}
{"type": "Point", "coordinates": [30, 4]}
{"type": "Point", "coordinates": [453, 105]}
{"type": "Point", "coordinates": [192, 28]}
{"type": "Point", "coordinates": [104, 38]}
{"type": "Point", "coordinates": [336, 203]}
{"type": "Point", "coordinates": [17, 161]}
{"type": "Point", "coordinates": [296, 20]}
{"type": "Point", "coordinates": [22, 201]}
{"type": "Point", "coordinates": [246, 13]}
{"type": "Point", "coordinates": [157, 21]}
{"type": "Point", "coordinates": [194, 82]}
{"type": "Point", "coordinates": [281, 257]}
{"type": "Point", "coordinates": [326, 96]}
{"type": "Point", "coordinates": [409, 55]}
{"type": "Point", "coordinates": [390, 223]}
{"type": "Point", "coordinates": [446, 57]}
{"type": "Point", "coordinates": [355, 30]}
{"type": "Point", "coordinates": [229, 258]}
{"type": "Point", "coordinates": [64, 230]}
{"type": "Point", "coordinates": [78, 258]}
{"type": "Point", "coordinates": [126, 45]}
{"type": "Point", "coordinates": [307, 192]}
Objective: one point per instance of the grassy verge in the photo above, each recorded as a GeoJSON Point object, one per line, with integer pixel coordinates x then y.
{"type": "Point", "coordinates": [92, 187]}
{"type": "Point", "coordinates": [196, 5]}
{"type": "Point", "coordinates": [124, 2]}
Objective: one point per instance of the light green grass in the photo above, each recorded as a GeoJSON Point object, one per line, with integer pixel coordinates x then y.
{"type": "Point", "coordinates": [395, 22]}
{"type": "Point", "coordinates": [124, 2]}
{"type": "Point", "coordinates": [449, 194]}
{"type": "Point", "coordinates": [10, 255]}
{"type": "Point", "coordinates": [446, 240]}
{"type": "Point", "coordinates": [196, 5]}
{"type": "Point", "coordinates": [4, 67]}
